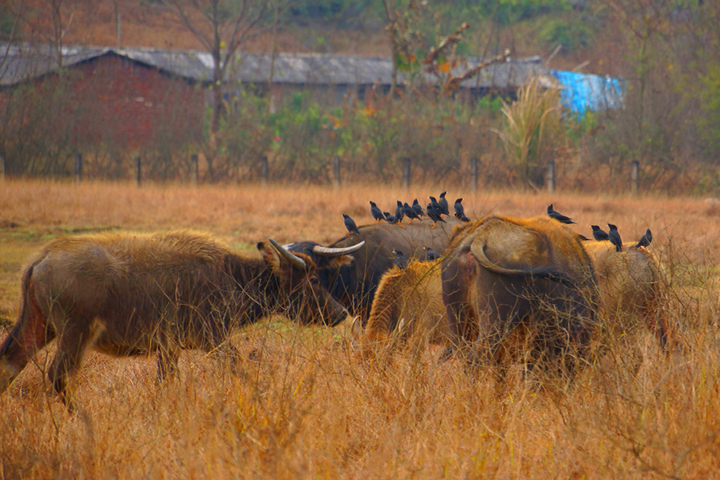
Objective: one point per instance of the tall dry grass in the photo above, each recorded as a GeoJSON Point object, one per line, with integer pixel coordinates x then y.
{"type": "Point", "coordinates": [305, 405]}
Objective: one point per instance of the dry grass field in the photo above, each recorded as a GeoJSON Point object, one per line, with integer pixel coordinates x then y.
{"type": "Point", "coordinates": [308, 406]}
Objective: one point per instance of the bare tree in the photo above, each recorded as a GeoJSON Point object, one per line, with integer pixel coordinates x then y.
{"type": "Point", "coordinates": [222, 26]}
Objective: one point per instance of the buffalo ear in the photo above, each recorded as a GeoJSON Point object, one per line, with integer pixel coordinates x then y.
{"type": "Point", "coordinates": [269, 255]}
{"type": "Point", "coordinates": [341, 261]}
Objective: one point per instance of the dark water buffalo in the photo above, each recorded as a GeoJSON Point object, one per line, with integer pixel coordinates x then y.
{"type": "Point", "coordinates": [505, 276]}
{"type": "Point", "coordinates": [124, 294]}
{"type": "Point", "coordinates": [354, 282]}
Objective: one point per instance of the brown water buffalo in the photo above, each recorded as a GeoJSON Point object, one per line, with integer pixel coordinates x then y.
{"type": "Point", "coordinates": [630, 287]}
{"type": "Point", "coordinates": [408, 306]}
{"type": "Point", "coordinates": [134, 294]}
{"type": "Point", "coordinates": [354, 282]}
{"type": "Point", "coordinates": [502, 273]}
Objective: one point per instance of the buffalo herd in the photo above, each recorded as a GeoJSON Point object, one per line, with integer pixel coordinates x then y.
{"type": "Point", "coordinates": [498, 281]}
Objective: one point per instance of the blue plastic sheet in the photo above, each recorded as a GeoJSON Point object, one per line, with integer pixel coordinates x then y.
{"type": "Point", "coordinates": [583, 92]}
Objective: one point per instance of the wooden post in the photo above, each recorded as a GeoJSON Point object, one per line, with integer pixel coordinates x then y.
{"type": "Point", "coordinates": [138, 167]}
{"type": "Point", "coordinates": [193, 169]}
{"type": "Point", "coordinates": [336, 172]}
{"type": "Point", "coordinates": [475, 173]}
{"type": "Point", "coordinates": [634, 176]}
{"type": "Point", "coordinates": [550, 177]}
{"type": "Point", "coordinates": [78, 167]}
{"type": "Point", "coordinates": [406, 172]}
{"type": "Point", "coordinates": [264, 170]}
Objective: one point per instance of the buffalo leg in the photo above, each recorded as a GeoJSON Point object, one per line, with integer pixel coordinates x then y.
{"type": "Point", "coordinates": [77, 335]}
{"type": "Point", "coordinates": [30, 334]}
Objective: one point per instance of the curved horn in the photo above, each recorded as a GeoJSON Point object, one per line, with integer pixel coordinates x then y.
{"type": "Point", "coordinates": [294, 260]}
{"type": "Point", "coordinates": [334, 252]}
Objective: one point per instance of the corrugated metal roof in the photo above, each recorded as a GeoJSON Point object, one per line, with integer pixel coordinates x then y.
{"type": "Point", "coordinates": [24, 62]}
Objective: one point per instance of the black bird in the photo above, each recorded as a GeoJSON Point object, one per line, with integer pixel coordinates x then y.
{"type": "Point", "coordinates": [443, 204]}
{"type": "Point", "coordinates": [434, 214]}
{"type": "Point", "coordinates": [389, 218]}
{"type": "Point", "coordinates": [645, 240]}
{"type": "Point", "coordinates": [460, 210]}
{"type": "Point", "coordinates": [558, 216]}
{"type": "Point", "coordinates": [350, 225]}
{"type": "Point", "coordinates": [418, 209]}
{"type": "Point", "coordinates": [435, 204]}
{"type": "Point", "coordinates": [431, 255]}
{"type": "Point", "coordinates": [400, 259]}
{"type": "Point", "coordinates": [399, 213]}
{"type": "Point", "coordinates": [376, 213]}
{"type": "Point", "coordinates": [614, 237]}
{"type": "Point", "coordinates": [409, 212]}
{"type": "Point", "coordinates": [599, 234]}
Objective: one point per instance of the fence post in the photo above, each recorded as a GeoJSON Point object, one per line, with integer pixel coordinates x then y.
{"type": "Point", "coordinates": [550, 177]}
{"type": "Point", "coordinates": [2, 166]}
{"type": "Point", "coordinates": [193, 169]}
{"type": "Point", "coordinates": [138, 167]}
{"type": "Point", "coordinates": [336, 172]}
{"type": "Point", "coordinates": [634, 176]}
{"type": "Point", "coordinates": [406, 172]}
{"type": "Point", "coordinates": [475, 173]}
{"type": "Point", "coordinates": [264, 170]}
{"type": "Point", "coordinates": [78, 167]}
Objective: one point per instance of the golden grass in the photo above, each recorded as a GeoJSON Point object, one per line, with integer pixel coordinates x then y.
{"type": "Point", "coordinates": [310, 407]}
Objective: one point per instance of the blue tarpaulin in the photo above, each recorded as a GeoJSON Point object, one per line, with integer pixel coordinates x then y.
{"type": "Point", "coordinates": [583, 92]}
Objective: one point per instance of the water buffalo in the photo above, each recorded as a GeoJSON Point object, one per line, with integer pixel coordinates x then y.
{"type": "Point", "coordinates": [354, 282]}
{"type": "Point", "coordinates": [134, 294]}
{"type": "Point", "coordinates": [408, 306]}
{"type": "Point", "coordinates": [630, 287]}
{"type": "Point", "coordinates": [501, 273]}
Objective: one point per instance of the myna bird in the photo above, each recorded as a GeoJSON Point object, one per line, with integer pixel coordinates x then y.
{"type": "Point", "coordinates": [614, 237]}
{"type": "Point", "coordinates": [460, 210]}
{"type": "Point", "coordinates": [444, 209]}
{"type": "Point", "coordinates": [350, 225]}
{"type": "Point", "coordinates": [410, 212]}
{"type": "Point", "coordinates": [599, 234]}
{"type": "Point", "coordinates": [645, 240]}
{"type": "Point", "coordinates": [558, 216]}
{"type": "Point", "coordinates": [418, 209]}
{"type": "Point", "coordinates": [399, 212]}
{"type": "Point", "coordinates": [389, 218]}
{"type": "Point", "coordinates": [430, 255]}
{"type": "Point", "coordinates": [435, 205]}
{"type": "Point", "coordinates": [400, 259]}
{"type": "Point", "coordinates": [434, 215]}
{"type": "Point", "coordinates": [376, 213]}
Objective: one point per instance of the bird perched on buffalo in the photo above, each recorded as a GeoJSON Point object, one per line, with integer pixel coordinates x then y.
{"type": "Point", "coordinates": [399, 213]}
{"type": "Point", "coordinates": [350, 225]}
{"type": "Point", "coordinates": [418, 209]}
{"type": "Point", "coordinates": [599, 234]}
{"type": "Point", "coordinates": [434, 214]}
{"type": "Point", "coordinates": [435, 205]}
{"type": "Point", "coordinates": [409, 212]}
{"type": "Point", "coordinates": [645, 240]}
{"type": "Point", "coordinates": [376, 213]}
{"type": "Point", "coordinates": [444, 208]}
{"type": "Point", "coordinates": [430, 255]}
{"type": "Point", "coordinates": [389, 218]}
{"type": "Point", "coordinates": [400, 259]}
{"type": "Point", "coordinates": [460, 210]}
{"type": "Point", "coordinates": [614, 237]}
{"type": "Point", "coordinates": [558, 216]}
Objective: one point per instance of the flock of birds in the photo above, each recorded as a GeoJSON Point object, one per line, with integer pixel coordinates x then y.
{"type": "Point", "coordinates": [434, 210]}
{"type": "Point", "coordinates": [599, 234]}
{"type": "Point", "coordinates": [437, 208]}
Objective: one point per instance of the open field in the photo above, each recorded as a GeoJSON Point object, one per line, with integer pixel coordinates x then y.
{"type": "Point", "coordinates": [308, 406]}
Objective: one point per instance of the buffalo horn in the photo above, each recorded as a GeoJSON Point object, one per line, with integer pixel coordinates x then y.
{"type": "Point", "coordinates": [294, 260]}
{"type": "Point", "coordinates": [334, 252]}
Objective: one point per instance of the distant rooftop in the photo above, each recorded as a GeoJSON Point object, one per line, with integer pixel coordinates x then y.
{"type": "Point", "coordinates": [23, 62]}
